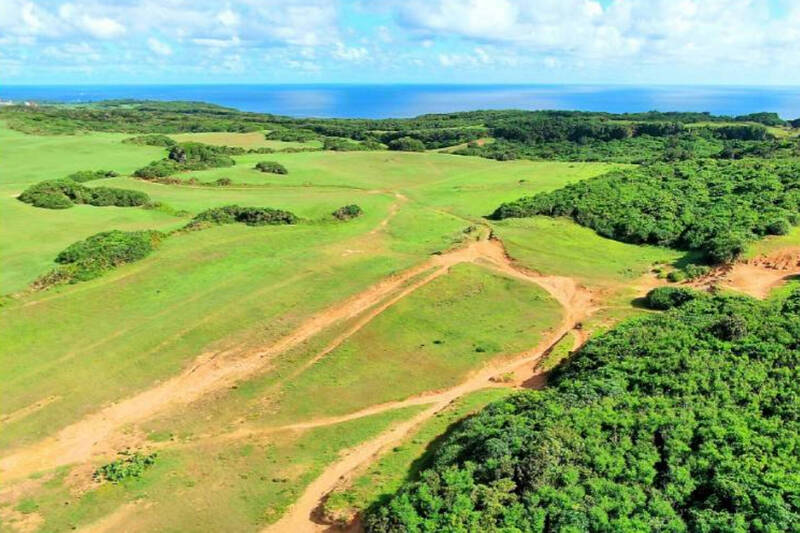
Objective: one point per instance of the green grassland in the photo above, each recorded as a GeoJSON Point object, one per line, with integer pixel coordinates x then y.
{"type": "Point", "coordinates": [559, 246]}
{"type": "Point", "coordinates": [213, 485]}
{"type": "Point", "coordinates": [429, 340]}
{"type": "Point", "coordinates": [240, 288]}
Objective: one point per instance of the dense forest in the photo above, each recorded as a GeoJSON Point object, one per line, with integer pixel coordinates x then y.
{"type": "Point", "coordinates": [713, 206]}
{"type": "Point", "coordinates": [687, 420]}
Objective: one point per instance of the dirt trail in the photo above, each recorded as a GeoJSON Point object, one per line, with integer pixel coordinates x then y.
{"type": "Point", "coordinates": [98, 434]}
{"type": "Point", "coordinates": [577, 303]}
{"type": "Point", "coordinates": [758, 276]}
{"type": "Point", "coordinates": [95, 434]}
{"type": "Point", "coordinates": [755, 277]}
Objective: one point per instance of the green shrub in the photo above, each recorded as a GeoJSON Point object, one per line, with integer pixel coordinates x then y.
{"type": "Point", "coordinates": [89, 175]}
{"type": "Point", "coordinates": [696, 271]}
{"type": "Point", "coordinates": [252, 216]}
{"type": "Point", "coordinates": [406, 144]}
{"type": "Point", "coordinates": [190, 156]}
{"type": "Point", "coordinates": [223, 182]}
{"type": "Point", "coordinates": [151, 140]}
{"type": "Point", "coordinates": [271, 166]}
{"type": "Point", "coordinates": [663, 298]}
{"type": "Point", "coordinates": [291, 135]}
{"type": "Point", "coordinates": [347, 212]}
{"type": "Point", "coordinates": [676, 276]}
{"type": "Point", "coordinates": [92, 257]}
{"type": "Point", "coordinates": [780, 226]}
{"type": "Point", "coordinates": [63, 193]}
{"type": "Point", "coordinates": [127, 467]}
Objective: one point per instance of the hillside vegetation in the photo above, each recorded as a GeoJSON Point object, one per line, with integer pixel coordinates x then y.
{"type": "Point", "coordinates": [716, 207]}
{"type": "Point", "coordinates": [683, 421]}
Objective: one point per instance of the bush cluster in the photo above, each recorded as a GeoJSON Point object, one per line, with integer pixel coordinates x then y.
{"type": "Point", "coordinates": [64, 193]}
{"type": "Point", "coordinates": [347, 212]}
{"type": "Point", "coordinates": [663, 298]}
{"type": "Point", "coordinates": [189, 156]}
{"type": "Point", "coordinates": [680, 421]}
{"type": "Point", "coordinates": [153, 139]}
{"type": "Point", "coordinates": [92, 257]}
{"type": "Point", "coordinates": [252, 216]}
{"type": "Point", "coordinates": [713, 206]}
{"type": "Point", "coordinates": [272, 167]}
{"type": "Point", "coordinates": [90, 175]}
{"type": "Point", "coordinates": [129, 466]}
{"type": "Point", "coordinates": [291, 135]}
{"type": "Point", "coordinates": [406, 144]}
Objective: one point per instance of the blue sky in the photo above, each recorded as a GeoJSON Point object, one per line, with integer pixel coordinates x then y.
{"type": "Point", "coordinates": [744, 42]}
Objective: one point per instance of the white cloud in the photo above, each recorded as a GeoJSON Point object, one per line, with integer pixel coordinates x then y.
{"type": "Point", "coordinates": [349, 54]}
{"type": "Point", "coordinates": [227, 17]}
{"type": "Point", "coordinates": [218, 43]}
{"type": "Point", "coordinates": [101, 27]}
{"type": "Point", "coordinates": [694, 31]}
{"type": "Point", "coordinates": [158, 47]}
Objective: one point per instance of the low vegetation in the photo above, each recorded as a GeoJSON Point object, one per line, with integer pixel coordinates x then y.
{"type": "Point", "coordinates": [90, 175]}
{"type": "Point", "coordinates": [64, 193]}
{"type": "Point", "coordinates": [407, 144]}
{"type": "Point", "coordinates": [715, 207]}
{"type": "Point", "coordinates": [681, 421]}
{"type": "Point", "coordinates": [152, 139]}
{"type": "Point", "coordinates": [190, 156]}
{"type": "Point", "coordinates": [272, 167]}
{"type": "Point", "coordinates": [129, 466]}
{"type": "Point", "coordinates": [252, 216]}
{"type": "Point", "coordinates": [348, 212]}
{"type": "Point", "coordinates": [92, 257]}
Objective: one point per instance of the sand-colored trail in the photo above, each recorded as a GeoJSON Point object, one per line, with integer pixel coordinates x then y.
{"type": "Point", "coordinates": [577, 303]}
{"type": "Point", "coordinates": [99, 435]}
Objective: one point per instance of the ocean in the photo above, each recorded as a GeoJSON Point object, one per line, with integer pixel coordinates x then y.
{"type": "Point", "coordinates": [384, 101]}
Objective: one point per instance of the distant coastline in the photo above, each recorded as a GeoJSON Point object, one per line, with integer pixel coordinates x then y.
{"type": "Point", "coordinates": [401, 101]}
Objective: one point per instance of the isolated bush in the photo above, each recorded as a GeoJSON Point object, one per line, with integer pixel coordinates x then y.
{"type": "Point", "coordinates": [271, 166]}
{"type": "Point", "coordinates": [189, 156]}
{"type": "Point", "coordinates": [63, 193]}
{"type": "Point", "coordinates": [89, 175]}
{"type": "Point", "coordinates": [347, 212]}
{"type": "Point", "coordinates": [696, 271]}
{"type": "Point", "coordinates": [223, 182]}
{"type": "Point", "coordinates": [252, 216]}
{"type": "Point", "coordinates": [151, 140]}
{"type": "Point", "coordinates": [676, 276]}
{"type": "Point", "coordinates": [663, 298]}
{"type": "Point", "coordinates": [406, 144]}
{"type": "Point", "coordinates": [127, 467]}
{"type": "Point", "coordinates": [90, 258]}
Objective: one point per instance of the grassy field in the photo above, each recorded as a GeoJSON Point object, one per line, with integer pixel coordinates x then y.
{"type": "Point", "coordinates": [234, 289]}
{"type": "Point", "coordinates": [429, 340]}
{"type": "Point", "coordinates": [559, 246]}
{"type": "Point", "coordinates": [204, 485]}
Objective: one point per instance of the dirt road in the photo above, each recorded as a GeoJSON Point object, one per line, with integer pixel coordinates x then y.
{"type": "Point", "coordinates": [577, 304]}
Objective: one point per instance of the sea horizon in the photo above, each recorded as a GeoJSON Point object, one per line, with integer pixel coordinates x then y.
{"type": "Point", "coordinates": [403, 100]}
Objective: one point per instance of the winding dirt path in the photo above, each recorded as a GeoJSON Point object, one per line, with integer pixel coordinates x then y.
{"type": "Point", "coordinates": [577, 304]}
{"type": "Point", "coordinates": [99, 435]}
